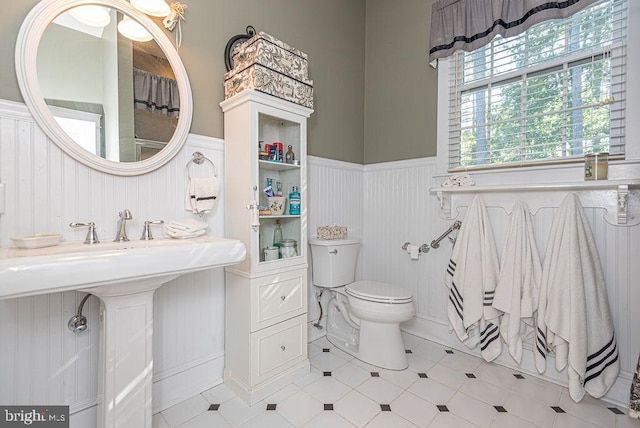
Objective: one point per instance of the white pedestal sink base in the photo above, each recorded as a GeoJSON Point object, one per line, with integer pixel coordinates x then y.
{"type": "Point", "coordinates": [127, 352]}
{"type": "Point", "coordinates": [124, 276]}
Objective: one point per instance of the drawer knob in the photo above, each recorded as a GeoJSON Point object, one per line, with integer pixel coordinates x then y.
{"type": "Point", "coordinates": [333, 252]}
{"type": "Point", "coordinates": [283, 347]}
{"type": "Point", "coordinates": [283, 298]}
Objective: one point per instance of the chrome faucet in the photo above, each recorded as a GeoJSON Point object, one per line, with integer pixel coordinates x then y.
{"type": "Point", "coordinates": [92, 235]}
{"type": "Point", "coordinates": [122, 226]}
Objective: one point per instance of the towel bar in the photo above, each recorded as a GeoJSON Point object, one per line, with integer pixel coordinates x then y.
{"type": "Point", "coordinates": [198, 158]}
{"type": "Point", "coordinates": [436, 242]}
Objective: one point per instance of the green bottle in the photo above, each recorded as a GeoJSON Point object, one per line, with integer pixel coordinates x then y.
{"type": "Point", "coordinates": [277, 234]}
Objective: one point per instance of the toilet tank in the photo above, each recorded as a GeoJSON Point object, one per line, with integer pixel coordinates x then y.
{"type": "Point", "coordinates": [334, 261]}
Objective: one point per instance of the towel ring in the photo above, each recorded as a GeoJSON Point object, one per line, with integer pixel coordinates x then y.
{"type": "Point", "coordinates": [198, 158]}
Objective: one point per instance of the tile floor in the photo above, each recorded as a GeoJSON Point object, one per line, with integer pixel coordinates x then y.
{"type": "Point", "coordinates": [441, 388]}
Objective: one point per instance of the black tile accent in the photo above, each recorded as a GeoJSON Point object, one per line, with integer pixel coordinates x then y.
{"type": "Point", "coordinates": [500, 409]}
{"type": "Point", "coordinates": [558, 409]}
{"type": "Point", "coordinates": [443, 408]}
{"type": "Point", "coordinates": [519, 376]}
{"type": "Point", "coordinates": [214, 407]}
{"type": "Point", "coordinates": [328, 406]}
{"type": "Point", "coordinates": [423, 375]}
{"type": "Point", "coordinates": [325, 349]}
{"type": "Point", "coordinates": [375, 374]}
{"type": "Point", "coordinates": [271, 406]}
{"type": "Point", "coordinates": [385, 407]}
{"type": "Point", "coordinates": [448, 351]}
{"type": "Point", "coordinates": [326, 373]}
{"type": "Point", "coordinates": [408, 351]}
{"type": "Point", "coordinates": [470, 375]}
{"type": "Point", "coordinates": [616, 410]}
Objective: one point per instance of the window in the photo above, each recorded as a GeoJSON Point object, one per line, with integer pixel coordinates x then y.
{"type": "Point", "coordinates": [83, 127]}
{"type": "Point", "coordinates": [555, 92]}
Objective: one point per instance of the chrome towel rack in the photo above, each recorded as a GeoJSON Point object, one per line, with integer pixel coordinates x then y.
{"type": "Point", "coordinates": [436, 242]}
{"type": "Point", "coordinates": [198, 158]}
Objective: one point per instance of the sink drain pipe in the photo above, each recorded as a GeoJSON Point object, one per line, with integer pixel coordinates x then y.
{"type": "Point", "coordinates": [78, 322]}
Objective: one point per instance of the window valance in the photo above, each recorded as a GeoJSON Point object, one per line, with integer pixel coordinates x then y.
{"type": "Point", "coordinates": [470, 24]}
{"type": "Point", "coordinates": [155, 94]}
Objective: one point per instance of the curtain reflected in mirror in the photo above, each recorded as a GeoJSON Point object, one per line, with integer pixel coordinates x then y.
{"type": "Point", "coordinates": [114, 97]}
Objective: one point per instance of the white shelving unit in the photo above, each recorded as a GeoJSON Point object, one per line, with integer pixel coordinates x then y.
{"type": "Point", "coordinates": [619, 198]}
{"type": "Point", "coordinates": [266, 301]}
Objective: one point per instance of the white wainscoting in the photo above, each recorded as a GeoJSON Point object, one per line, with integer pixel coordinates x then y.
{"type": "Point", "coordinates": [41, 361]}
{"type": "Point", "coordinates": [393, 203]}
{"type": "Point", "coordinates": [335, 198]}
{"type": "Point", "coordinates": [383, 204]}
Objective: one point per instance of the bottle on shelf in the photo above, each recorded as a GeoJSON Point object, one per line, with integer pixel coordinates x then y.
{"type": "Point", "coordinates": [262, 153]}
{"type": "Point", "coordinates": [294, 201]}
{"type": "Point", "coordinates": [290, 156]}
{"type": "Point", "coordinates": [277, 234]}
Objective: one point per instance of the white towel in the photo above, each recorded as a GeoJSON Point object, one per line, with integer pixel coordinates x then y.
{"type": "Point", "coordinates": [471, 277]}
{"type": "Point", "coordinates": [187, 225]}
{"type": "Point", "coordinates": [573, 314]}
{"type": "Point", "coordinates": [519, 284]}
{"type": "Point", "coordinates": [183, 235]}
{"type": "Point", "coordinates": [185, 229]}
{"type": "Point", "coordinates": [463, 180]}
{"type": "Point", "coordinates": [202, 193]}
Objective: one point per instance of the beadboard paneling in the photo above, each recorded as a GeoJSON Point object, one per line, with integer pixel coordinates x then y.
{"type": "Point", "coordinates": [395, 207]}
{"type": "Point", "coordinates": [335, 198]}
{"type": "Point", "coordinates": [398, 210]}
{"type": "Point", "coordinates": [41, 361]}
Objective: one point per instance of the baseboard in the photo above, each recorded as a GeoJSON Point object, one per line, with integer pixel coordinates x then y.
{"type": "Point", "coordinates": [253, 395]}
{"type": "Point", "coordinates": [85, 418]}
{"type": "Point", "coordinates": [181, 383]}
{"type": "Point", "coordinates": [438, 332]}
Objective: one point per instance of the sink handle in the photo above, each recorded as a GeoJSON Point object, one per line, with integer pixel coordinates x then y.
{"type": "Point", "coordinates": [92, 235]}
{"type": "Point", "coordinates": [146, 230]}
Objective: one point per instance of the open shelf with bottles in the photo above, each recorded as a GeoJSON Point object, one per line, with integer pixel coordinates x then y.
{"type": "Point", "coordinates": [280, 178]}
{"type": "Point", "coordinates": [254, 123]}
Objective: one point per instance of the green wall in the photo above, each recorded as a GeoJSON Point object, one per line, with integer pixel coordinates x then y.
{"type": "Point", "coordinates": [374, 93]}
{"type": "Point", "coordinates": [400, 86]}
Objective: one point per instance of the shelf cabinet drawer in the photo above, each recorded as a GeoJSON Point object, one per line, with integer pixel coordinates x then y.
{"type": "Point", "coordinates": [278, 348]}
{"type": "Point", "coordinates": [279, 297]}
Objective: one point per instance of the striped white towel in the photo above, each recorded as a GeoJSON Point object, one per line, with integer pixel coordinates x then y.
{"type": "Point", "coordinates": [472, 276]}
{"type": "Point", "coordinates": [574, 319]}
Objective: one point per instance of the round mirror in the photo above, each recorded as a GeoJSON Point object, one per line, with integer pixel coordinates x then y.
{"type": "Point", "coordinates": [105, 83]}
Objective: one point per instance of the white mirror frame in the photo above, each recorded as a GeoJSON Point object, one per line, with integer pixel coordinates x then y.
{"type": "Point", "coordinates": [27, 44]}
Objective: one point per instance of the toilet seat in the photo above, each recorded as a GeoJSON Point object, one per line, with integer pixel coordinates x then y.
{"type": "Point", "coordinates": [380, 292]}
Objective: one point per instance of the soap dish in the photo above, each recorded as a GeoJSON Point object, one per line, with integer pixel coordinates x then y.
{"type": "Point", "coordinates": [39, 240]}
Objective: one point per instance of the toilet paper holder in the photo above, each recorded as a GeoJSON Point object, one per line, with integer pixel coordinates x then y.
{"type": "Point", "coordinates": [424, 248]}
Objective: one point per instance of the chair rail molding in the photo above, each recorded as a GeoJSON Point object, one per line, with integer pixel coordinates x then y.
{"type": "Point", "coordinates": [619, 198]}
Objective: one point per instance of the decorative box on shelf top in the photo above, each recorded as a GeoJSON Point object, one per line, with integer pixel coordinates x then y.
{"type": "Point", "coordinates": [269, 65]}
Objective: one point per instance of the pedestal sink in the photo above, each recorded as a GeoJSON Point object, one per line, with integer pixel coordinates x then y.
{"type": "Point", "coordinates": [124, 276]}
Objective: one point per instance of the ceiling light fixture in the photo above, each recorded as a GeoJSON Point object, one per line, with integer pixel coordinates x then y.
{"type": "Point", "coordinates": [94, 16]}
{"type": "Point", "coordinates": [133, 30]}
{"type": "Point", "coordinates": [152, 7]}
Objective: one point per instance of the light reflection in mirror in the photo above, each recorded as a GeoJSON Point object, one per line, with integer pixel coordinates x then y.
{"type": "Point", "coordinates": [119, 99]}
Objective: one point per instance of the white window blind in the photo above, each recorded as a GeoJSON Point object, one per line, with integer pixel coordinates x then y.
{"type": "Point", "coordinates": [553, 93]}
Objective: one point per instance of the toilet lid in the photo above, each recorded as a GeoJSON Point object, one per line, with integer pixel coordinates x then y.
{"type": "Point", "coordinates": [379, 292]}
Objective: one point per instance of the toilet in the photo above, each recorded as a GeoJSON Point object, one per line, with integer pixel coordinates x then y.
{"type": "Point", "coordinates": [363, 317]}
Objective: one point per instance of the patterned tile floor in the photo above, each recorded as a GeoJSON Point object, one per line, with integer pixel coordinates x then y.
{"type": "Point", "coordinates": [441, 388]}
